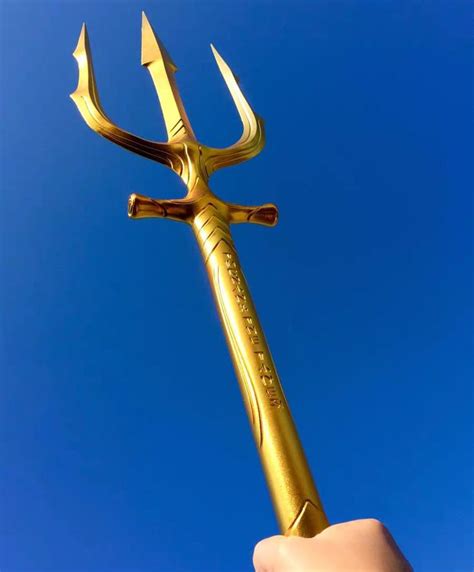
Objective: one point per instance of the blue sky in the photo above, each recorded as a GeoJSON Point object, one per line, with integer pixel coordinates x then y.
{"type": "Point", "coordinates": [124, 442]}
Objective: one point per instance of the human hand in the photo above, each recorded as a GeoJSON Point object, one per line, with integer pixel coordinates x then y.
{"type": "Point", "coordinates": [359, 545]}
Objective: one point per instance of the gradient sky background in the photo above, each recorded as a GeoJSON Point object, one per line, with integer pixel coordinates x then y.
{"type": "Point", "coordinates": [124, 442]}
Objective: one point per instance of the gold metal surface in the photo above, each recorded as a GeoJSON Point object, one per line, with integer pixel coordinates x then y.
{"type": "Point", "coordinates": [295, 499]}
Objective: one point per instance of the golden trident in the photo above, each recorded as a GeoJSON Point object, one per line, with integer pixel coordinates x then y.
{"type": "Point", "coordinates": [294, 495]}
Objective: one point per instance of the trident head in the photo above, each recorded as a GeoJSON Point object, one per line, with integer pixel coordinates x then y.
{"type": "Point", "coordinates": [191, 160]}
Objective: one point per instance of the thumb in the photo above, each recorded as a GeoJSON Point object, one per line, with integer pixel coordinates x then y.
{"type": "Point", "coordinates": [266, 553]}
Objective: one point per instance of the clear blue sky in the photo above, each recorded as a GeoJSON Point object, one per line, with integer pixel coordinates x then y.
{"type": "Point", "coordinates": [124, 442]}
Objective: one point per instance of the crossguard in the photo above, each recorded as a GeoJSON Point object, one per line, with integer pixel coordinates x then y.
{"type": "Point", "coordinates": [183, 210]}
{"type": "Point", "coordinates": [182, 153]}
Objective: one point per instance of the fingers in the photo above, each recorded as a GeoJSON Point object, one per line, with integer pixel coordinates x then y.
{"type": "Point", "coordinates": [366, 543]}
{"type": "Point", "coordinates": [361, 545]}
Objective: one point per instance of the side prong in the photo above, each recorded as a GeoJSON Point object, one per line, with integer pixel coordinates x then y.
{"type": "Point", "coordinates": [87, 101]}
{"type": "Point", "coordinates": [252, 139]}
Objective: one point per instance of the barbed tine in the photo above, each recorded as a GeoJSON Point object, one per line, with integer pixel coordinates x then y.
{"type": "Point", "coordinates": [87, 100]}
{"type": "Point", "coordinates": [157, 60]}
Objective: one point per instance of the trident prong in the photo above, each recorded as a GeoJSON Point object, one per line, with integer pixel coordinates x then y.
{"type": "Point", "coordinates": [87, 100]}
{"type": "Point", "coordinates": [294, 495]}
{"type": "Point", "coordinates": [191, 160]}
{"type": "Point", "coordinates": [252, 139]}
{"type": "Point", "coordinates": [162, 69]}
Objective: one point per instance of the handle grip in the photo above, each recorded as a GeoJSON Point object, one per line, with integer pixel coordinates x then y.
{"type": "Point", "coordinates": [296, 501]}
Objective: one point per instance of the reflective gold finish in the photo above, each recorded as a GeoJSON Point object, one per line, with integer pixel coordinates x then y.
{"type": "Point", "coordinates": [296, 501]}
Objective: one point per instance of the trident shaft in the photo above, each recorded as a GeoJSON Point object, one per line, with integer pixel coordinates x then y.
{"type": "Point", "coordinates": [294, 495]}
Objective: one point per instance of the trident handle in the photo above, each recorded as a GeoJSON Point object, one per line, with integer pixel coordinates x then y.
{"type": "Point", "coordinates": [294, 495]}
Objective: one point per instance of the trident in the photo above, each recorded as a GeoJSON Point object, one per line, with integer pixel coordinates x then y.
{"type": "Point", "coordinates": [295, 499]}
